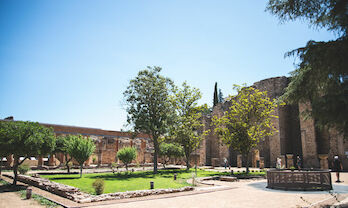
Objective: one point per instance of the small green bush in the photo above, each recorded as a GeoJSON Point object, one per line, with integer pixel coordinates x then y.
{"type": "Point", "coordinates": [98, 186]}
{"type": "Point", "coordinates": [23, 169]}
{"type": "Point", "coordinates": [126, 155]}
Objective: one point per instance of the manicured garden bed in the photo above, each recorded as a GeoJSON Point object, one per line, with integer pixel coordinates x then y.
{"type": "Point", "coordinates": [131, 181]}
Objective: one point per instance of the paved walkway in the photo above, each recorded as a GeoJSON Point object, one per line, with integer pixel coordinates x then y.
{"type": "Point", "coordinates": [224, 194]}
{"type": "Point", "coordinates": [243, 194]}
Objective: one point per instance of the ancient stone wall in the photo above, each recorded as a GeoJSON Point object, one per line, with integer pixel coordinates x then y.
{"type": "Point", "coordinates": [308, 138]}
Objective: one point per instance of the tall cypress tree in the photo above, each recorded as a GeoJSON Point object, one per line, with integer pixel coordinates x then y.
{"type": "Point", "coordinates": [216, 99]}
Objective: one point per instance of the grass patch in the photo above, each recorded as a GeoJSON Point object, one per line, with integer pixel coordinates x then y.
{"type": "Point", "coordinates": [261, 173]}
{"type": "Point", "coordinates": [42, 200]}
{"type": "Point", "coordinates": [22, 192]}
{"type": "Point", "coordinates": [140, 180]}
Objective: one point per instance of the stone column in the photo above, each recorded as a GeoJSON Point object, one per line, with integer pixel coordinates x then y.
{"type": "Point", "coordinates": [324, 163]}
{"type": "Point", "coordinates": [40, 161]}
{"type": "Point", "coordinates": [289, 160]}
{"type": "Point", "coordinates": [308, 139]}
{"type": "Point", "coordinates": [262, 163]}
{"type": "Point", "coordinates": [239, 161]}
{"type": "Point", "coordinates": [255, 157]}
{"type": "Point", "coordinates": [9, 159]}
{"type": "Point", "coordinates": [52, 160]}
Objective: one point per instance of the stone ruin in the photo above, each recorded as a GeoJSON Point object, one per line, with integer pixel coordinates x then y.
{"type": "Point", "coordinates": [296, 136]}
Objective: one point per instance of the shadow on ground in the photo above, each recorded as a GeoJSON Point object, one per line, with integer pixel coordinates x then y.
{"type": "Point", "coordinates": [11, 188]}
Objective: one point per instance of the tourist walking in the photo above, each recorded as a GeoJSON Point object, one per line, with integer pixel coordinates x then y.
{"type": "Point", "coordinates": [225, 161]}
{"type": "Point", "coordinates": [337, 167]}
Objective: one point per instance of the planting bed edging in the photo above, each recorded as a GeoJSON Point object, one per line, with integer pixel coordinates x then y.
{"type": "Point", "coordinates": [76, 195]}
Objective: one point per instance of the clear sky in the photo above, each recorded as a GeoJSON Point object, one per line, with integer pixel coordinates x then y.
{"type": "Point", "coordinates": [68, 62]}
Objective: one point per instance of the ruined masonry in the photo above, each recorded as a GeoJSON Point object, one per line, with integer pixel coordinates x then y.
{"type": "Point", "coordinates": [295, 137]}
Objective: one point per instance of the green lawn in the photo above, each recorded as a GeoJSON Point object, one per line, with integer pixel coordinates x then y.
{"type": "Point", "coordinates": [132, 181]}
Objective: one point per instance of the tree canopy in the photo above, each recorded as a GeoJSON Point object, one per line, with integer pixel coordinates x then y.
{"type": "Point", "coordinates": [170, 150]}
{"type": "Point", "coordinates": [63, 145]}
{"type": "Point", "coordinates": [321, 76]}
{"type": "Point", "coordinates": [127, 155]}
{"type": "Point", "coordinates": [188, 127]}
{"type": "Point", "coordinates": [147, 104]}
{"type": "Point", "coordinates": [81, 149]}
{"type": "Point", "coordinates": [248, 120]}
{"type": "Point", "coordinates": [25, 139]}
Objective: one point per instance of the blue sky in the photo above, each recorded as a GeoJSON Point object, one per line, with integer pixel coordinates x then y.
{"type": "Point", "coordinates": [68, 62]}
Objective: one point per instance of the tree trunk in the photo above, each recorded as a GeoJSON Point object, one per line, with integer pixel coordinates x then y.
{"type": "Point", "coordinates": [247, 163]}
{"type": "Point", "coordinates": [155, 142]}
{"type": "Point", "coordinates": [187, 161]}
{"type": "Point", "coordinates": [81, 170]}
{"type": "Point", "coordinates": [127, 167]}
{"type": "Point", "coordinates": [67, 163]}
{"type": "Point", "coordinates": [15, 169]}
{"type": "Point", "coordinates": [0, 165]}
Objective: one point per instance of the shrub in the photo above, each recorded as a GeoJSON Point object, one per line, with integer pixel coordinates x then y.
{"type": "Point", "coordinates": [23, 169]}
{"type": "Point", "coordinates": [98, 186]}
{"type": "Point", "coordinates": [170, 150]}
{"type": "Point", "coordinates": [126, 155]}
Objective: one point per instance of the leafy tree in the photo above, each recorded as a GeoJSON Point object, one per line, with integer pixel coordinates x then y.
{"type": "Point", "coordinates": [188, 128]}
{"type": "Point", "coordinates": [81, 149]}
{"type": "Point", "coordinates": [25, 139]}
{"type": "Point", "coordinates": [148, 106]}
{"type": "Point", "coordinates": [216, 99]}
{"type": "Point", "coordinates": [127, 155]}
{"type": "Point", "coordinates": [247, 121]}
{"type": "Point", "coordinates": [170, 150]}
{"type": "Point", "coordinates": [321, 76]}
{"type": "Point", "coordinates": [63, 145]}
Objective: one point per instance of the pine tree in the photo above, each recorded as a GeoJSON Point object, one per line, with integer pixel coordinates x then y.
{"type": "Point", "coordinates": [221, 96]}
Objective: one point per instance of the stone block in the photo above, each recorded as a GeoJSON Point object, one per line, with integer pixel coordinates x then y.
{"type": "Point", "coordinates": [289, 160]}
{"type": "Point", "coordinates": [239, 161]}
{"type": "Point", "coordinates": [324, 163]}
{"type": "Point", "coordinates": [228, 178]}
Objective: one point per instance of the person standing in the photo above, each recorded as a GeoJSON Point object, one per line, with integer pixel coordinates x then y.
{"type": "Point", "coordinates": [337, 167]}
{"type": "Point", "coordinates": [299, 162]}
{"type": "Point", "coordinates": [225, 161]}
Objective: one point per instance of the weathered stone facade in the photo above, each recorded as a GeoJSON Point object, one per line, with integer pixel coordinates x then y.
{"type": "Point", "coordinates": [108, 143]}
{"type": "Point", "coordinates": [295, 136]}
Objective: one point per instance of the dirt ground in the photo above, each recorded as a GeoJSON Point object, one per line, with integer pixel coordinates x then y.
{"type": "Point", "coordinates": [10, 199]}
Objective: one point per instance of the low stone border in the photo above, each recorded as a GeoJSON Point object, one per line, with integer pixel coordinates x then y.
{"type": "Point", "coordinates": [76, 195]}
